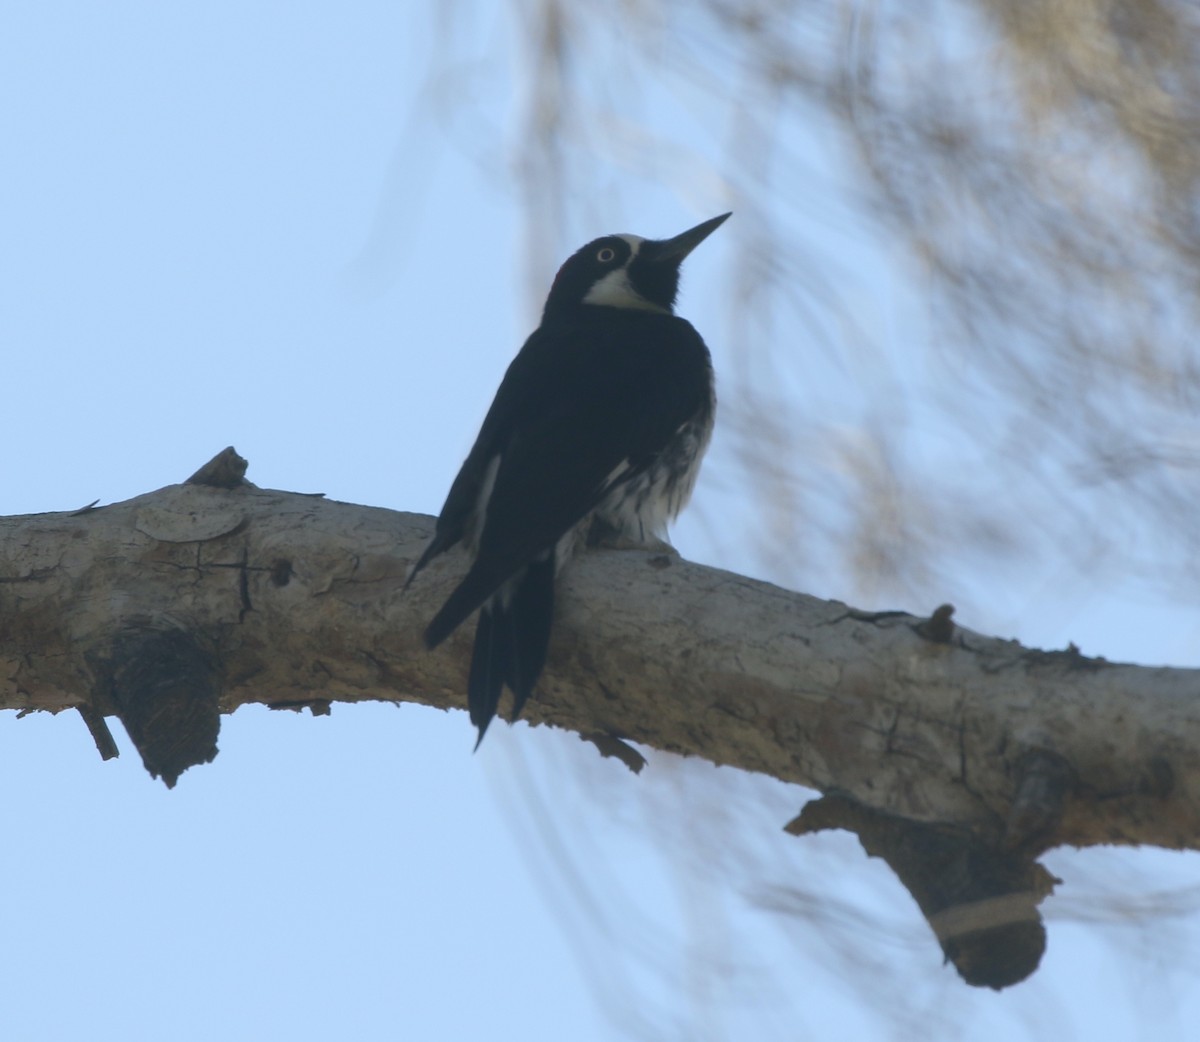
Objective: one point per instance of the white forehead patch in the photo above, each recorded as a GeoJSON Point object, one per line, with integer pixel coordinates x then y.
{"type": "Point", "coordinates": [615, 290]}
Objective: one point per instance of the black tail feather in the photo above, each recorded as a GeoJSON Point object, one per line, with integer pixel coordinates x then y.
{"type": "Point", "coordinates": [532, 612]}
{"type": "Point", "coordinates": [511, 640]}
{"type": "Point", "coordinates": [475, 589]}
{"type": "Point", "coordinates": [490, 667]}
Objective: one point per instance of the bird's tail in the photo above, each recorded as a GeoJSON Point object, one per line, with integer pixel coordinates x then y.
{"type": "Point", "coordinates": [511, 639]}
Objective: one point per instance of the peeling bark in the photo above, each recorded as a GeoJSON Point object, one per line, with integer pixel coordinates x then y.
{"type": "Point", "coordinates": [204, 596]}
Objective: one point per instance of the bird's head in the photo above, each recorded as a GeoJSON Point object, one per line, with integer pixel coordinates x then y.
{"type": "Point", "coordinates": [626, 271]}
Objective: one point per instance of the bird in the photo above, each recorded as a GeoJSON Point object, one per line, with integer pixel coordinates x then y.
{"type": "Point", "coordinates": [595, 436]}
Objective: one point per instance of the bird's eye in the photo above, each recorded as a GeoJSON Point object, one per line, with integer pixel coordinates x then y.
{"type": "Point", "coordinates": [605, 255]}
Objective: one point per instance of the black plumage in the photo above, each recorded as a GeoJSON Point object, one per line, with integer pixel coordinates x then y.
{"type": "Point", "coordinates": [599, 424]}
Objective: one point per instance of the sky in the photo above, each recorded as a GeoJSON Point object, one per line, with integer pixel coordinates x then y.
{"type": "Point", "coordinates": [239, 225]}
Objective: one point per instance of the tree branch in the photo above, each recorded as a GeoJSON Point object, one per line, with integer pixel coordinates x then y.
{"type": "Point", "coordinates": [299, 600]}
{"type": "Point", "coordinates": [198, 597]}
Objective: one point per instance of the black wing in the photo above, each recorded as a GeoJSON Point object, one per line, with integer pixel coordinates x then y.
{"type": "Point", "coordinates": [581, 399]}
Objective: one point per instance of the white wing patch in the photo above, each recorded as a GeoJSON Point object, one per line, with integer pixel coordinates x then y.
{"type": "Point", "coordinates": [478, 516]}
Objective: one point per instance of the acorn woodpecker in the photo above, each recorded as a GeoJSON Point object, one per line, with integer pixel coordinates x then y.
{"type": "Point", "coordinates": [595, 435]}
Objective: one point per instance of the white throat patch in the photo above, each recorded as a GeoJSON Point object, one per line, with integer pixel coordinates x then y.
{"type": "Point", "coordinates": [616, 291]}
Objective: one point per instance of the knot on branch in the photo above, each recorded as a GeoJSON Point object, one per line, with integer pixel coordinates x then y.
{"type": "Point", "coordinates": [1044, 781]}
{"type": "Point", "coordinates": [164, 686]}
{"type": "Point", "coordinates": [225, 470]}
{"type": "Point", "coordinates": [939, 627]}
{"type": "Point", "coordinates": [980, 901]}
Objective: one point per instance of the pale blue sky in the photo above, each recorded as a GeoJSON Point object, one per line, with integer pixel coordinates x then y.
{"type": "Point", "coordinates": [234, 224]}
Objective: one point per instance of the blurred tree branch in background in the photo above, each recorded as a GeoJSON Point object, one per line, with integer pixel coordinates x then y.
{"type": "Point", "coordinates": [958, 350]}
{"type": "Point", "coordinates": [1036, 162]}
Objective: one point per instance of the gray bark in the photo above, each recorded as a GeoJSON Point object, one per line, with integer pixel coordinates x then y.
{"type": "Point", "coordinates": [956, 757]}
{"type": "Point", "coordinates": [300, 600]}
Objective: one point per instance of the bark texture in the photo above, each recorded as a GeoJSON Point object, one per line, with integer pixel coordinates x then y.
{"type": "Point", "coordinates": [184, 603]}
{"type": "Point", "coordinates": [299, 600]}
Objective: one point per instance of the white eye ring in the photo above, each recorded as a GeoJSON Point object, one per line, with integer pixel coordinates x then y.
{"type": "Point", "coordinates": [605, 254]}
